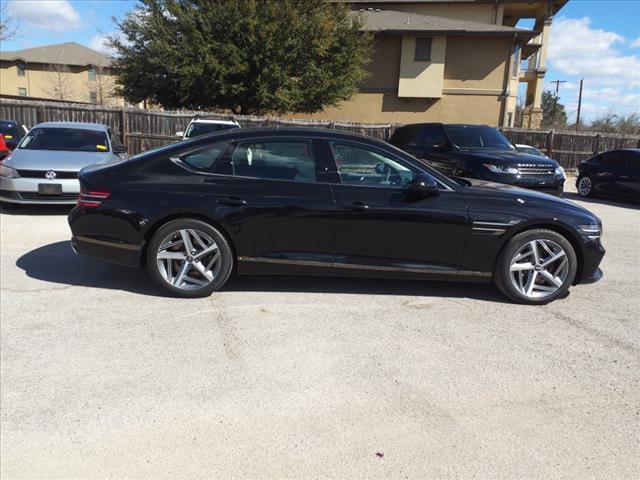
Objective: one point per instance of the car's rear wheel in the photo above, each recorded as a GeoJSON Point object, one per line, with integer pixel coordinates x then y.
{"type": "Point", "coordinates": [585, 186]}
{"type": "Point", "coordinates": [189, 258]}
{"type": "Point", "coordinates": [536, 267]}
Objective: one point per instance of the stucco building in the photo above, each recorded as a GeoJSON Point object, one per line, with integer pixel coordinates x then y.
{"type": "Point", "coordinates": [64, 72]}
{"type": "Point", "coordinates": [451, 61]}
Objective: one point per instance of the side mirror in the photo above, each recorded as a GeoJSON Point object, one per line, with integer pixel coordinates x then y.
{"type": "Point", "coordinates": [423, 185]}
{"type": "Point", "coordinates": [442, 145]}
{"type": "Point", "coordinates": [179, 134]}
{"type": "Point", "coordinates": [120, 150]}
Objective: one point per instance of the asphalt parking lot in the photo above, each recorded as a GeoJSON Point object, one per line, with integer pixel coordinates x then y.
{"type": "Point", "coordinates": [101, 377]}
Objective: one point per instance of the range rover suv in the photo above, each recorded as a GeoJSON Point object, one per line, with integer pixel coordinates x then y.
{"type": "Point", "coordinates": [479, 151]}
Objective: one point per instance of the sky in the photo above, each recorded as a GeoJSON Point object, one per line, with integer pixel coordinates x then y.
{"type": "Point", "coordinates": [594, 40]}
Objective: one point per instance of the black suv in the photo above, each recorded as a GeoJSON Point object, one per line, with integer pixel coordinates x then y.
{"type": "Point", "coordinates": [479, 151]}
{"type": "Point", "coordinates": [615, 173]}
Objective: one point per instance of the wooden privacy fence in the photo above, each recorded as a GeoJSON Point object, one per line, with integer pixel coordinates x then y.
{"type": "Point", "coordinates": [141, 130]}
{"type": "Point", "coordinates": [571, 148]}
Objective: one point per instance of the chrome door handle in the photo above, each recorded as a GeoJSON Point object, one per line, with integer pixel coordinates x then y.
{"type": "Point", "coordinates": [359, 207]}
{"type": "Point", "coordinates": [232, 202]}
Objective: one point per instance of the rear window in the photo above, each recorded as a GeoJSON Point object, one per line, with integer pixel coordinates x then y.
{"type": "Point", "coordinates": [196, 129]}
{"type": "Point", "coordinates": [9, 130]}
{"type": "Point", "coordinates": [69, 139]}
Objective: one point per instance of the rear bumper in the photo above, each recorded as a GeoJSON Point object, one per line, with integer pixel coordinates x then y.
{"type": "Point", "coordinates": [120, 253]}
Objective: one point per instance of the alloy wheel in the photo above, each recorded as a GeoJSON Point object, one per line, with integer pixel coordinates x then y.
{"type": "Point", "coordinates": [584, 186]}
{"type": "Point", "coordinates": [188, 259]}
{"type": "Point", "coordinates": [539, 268]}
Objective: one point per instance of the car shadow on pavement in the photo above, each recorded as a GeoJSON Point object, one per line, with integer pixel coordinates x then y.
{"type": "Point", "coordinates": [57, 263]}
{"type": "Point", "coordinates": [365, 286]}
{"type": "Point", "coordinates": [611, 201]}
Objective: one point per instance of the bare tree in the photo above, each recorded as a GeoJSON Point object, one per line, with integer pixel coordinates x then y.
{"type": "Point", "coordinates": [8, 25]}
{"type": "Point", "coordinates": [58, 83]}
{"type": "Point", "coordinates": [103, 84]}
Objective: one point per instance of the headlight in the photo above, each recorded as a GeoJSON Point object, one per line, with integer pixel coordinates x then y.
{"type": "Point", "coordinates": [8, 172]}
{"type": "Point", "coordinates": [560, 171]}
{"type": "Point", "coordinates": [592, 230]}
{"type": "Point", "coordinates": [501, 169]}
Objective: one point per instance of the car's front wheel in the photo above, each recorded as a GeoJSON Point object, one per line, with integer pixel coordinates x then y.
{"type": "Point", "coordinates": [585, 186]}
{"type": "Point", "coordinates": [189, 258]}
{"type": "Point", "coordinates": [536, 267]}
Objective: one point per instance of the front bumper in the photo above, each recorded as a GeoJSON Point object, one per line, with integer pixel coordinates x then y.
{"type": "Point", "coordinates": [592, 254]}
{"type": "Point", "coordinates": [553, 185]}
{"type": "Point", "coordinates": [25, 191]}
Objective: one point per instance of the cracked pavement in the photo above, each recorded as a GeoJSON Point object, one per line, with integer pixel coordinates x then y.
{"type": "Point", "coordinates": [101, 377]}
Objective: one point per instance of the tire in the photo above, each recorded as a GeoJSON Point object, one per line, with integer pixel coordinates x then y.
{"type": "Point", "coordinates": [186, 274]}
{"type": "Point", "coordinates": [512, 274]}
{"type": "Point", "coordinates": [584, 185]}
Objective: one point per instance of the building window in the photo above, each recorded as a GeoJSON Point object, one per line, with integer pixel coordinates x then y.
{"type": "Point", "coordinates": [423, 50]}
{"type": "Point", "coordinates": [93, 97]}
{"type": "Point", "coordinates": [22, 68]}
{"type": "Point", "coordinates": [92, 73]}
{"type": "Point", "coordinates": [510, 119]}
{"type": "Point", "coordinates": [22, 92]}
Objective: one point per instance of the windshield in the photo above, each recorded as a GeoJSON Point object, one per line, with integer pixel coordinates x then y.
{"type": "Point", "coordinates": [469, 137]}
{"type": "Point", "coordinates": [9, 130]}
{"type": "Point", "coordinates": [196, 129]}
{"type": "Point", "coordinates": [531, 151]}
{"type": "Point", "coordinates": [70, 139]}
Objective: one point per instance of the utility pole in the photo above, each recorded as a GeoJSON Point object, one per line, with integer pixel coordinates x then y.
{"type": "Point", "coordinates": [555, 101]}
{"type": "Point", "coordinates": [579, 105]}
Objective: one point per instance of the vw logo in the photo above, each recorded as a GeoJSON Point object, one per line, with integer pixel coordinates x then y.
{"type": "Point", "coordinates": [50, 175]}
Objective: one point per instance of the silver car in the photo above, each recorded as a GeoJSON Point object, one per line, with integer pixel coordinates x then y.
{"type": "Point", "coordinates": [43, 168]}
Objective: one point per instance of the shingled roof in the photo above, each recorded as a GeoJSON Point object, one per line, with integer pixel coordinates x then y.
{"type": "Point", "coordinates": [69, 53]}
{"type": "Point", "coordinates": [395, 22]}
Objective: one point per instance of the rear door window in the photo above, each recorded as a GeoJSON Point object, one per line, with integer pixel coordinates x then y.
{"type": "Point", "coordinates": [432, 137]}
{"type": "Point", "coordinates": [292, 160]}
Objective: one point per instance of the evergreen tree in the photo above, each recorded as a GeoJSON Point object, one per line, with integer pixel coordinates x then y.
{"type": "Point", "coordinates": [247, 56]}
{"type": "Point", "coordinates": [548, 119]}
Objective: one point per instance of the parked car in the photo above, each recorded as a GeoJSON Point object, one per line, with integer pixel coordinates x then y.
{"type": "Point", "coordinates": [312, 201]}
{"type": "Point", "coordinates": [12, 132]}
{"type": "Point", "coordinates": [204, 126]}
{"type": "Point", "coordinates": [528, 149]}
{"type": "Point", "coordinates": [615, 173]}
{"type": "Point", "coordinates": [44, 168]}
{"type": "Point", "coordinates": [478, 151]}
{"type": "Point", "coordinates": [4, 150]}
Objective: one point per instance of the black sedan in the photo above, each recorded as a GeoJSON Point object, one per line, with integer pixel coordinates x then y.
{"type": "Point", "coordinates": [611, 173]}
{"type": "Point", "coordinates": [320, 202]}
{"type": "Point", "coordinates": [479, 151]}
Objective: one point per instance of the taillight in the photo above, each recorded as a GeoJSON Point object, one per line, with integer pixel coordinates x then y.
{"type": "Point", "coordinates": [92, 198]}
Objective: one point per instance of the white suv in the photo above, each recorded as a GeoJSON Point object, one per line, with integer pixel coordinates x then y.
{"type": "Point", "coordinates": [203, 126]}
